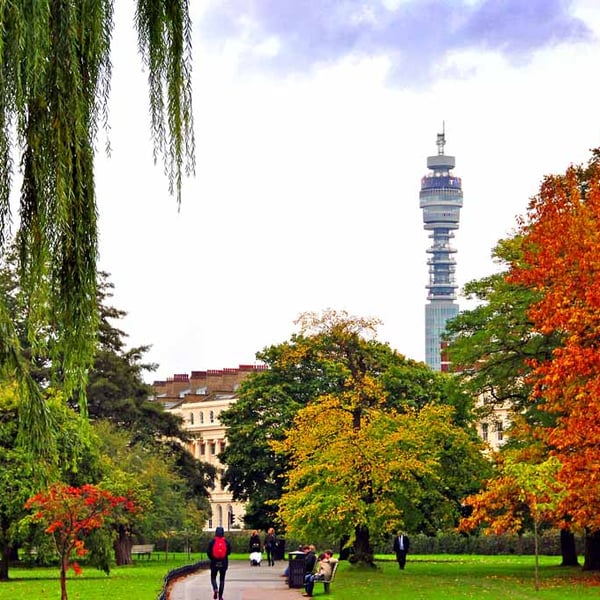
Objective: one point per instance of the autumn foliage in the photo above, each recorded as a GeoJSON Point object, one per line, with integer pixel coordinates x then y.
{"type": "Point", "coordinates": [69, 514]}
{"type": "Point", "coordinates": [524, 491]}
{"type": "Point", "coordinates": [561, 261]}
{"type": "Point", "coordinates": [365, 457]}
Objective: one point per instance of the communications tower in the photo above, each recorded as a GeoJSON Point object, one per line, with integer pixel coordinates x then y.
{"type": "Point", "coordinates": [441, 198]}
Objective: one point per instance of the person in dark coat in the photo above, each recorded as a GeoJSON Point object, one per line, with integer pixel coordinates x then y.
{"type": "Point", "coordinates": [310, 559]}
{"type": "Point", "coordinates": [270, 545]}
{"type": "Point", "coordinates": [255, 549]}
{"type": "Point", "coordinates": [218, 565]}
{"type": "Point", "coordinates": [401, 546]}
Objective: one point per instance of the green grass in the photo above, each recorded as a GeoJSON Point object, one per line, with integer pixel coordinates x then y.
{"type": "Point", "coordinates": [440, 577]}
{"type": "Point", "coordinates": [141, 581]}
{"type": "Point", "coordinates": [458, 577]}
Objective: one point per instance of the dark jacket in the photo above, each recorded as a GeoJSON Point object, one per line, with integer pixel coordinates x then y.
{"type": "Point", "coordinates": [254, 545]}
{"type": "Point", "coordinates": [270, 541]}
{"type": "Point", "coordinates": [310, 561]}
{"type": "Point", "coordinates": [222, 562]}
{"type": "Point", "coordinates": [405, 543]}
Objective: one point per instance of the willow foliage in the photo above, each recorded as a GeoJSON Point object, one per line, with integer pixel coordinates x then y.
{"type": "Point", "coordinates": [55, 74]}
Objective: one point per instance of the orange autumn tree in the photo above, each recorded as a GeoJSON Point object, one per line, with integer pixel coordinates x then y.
{"type": "Point", "coordinates": [561, 261]}
{"type": "Point", "coordinates": [71, 513]}
{"type": "Point", "coordinates": [524, 494]}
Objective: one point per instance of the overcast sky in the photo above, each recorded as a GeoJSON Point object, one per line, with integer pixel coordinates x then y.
{"type": "Point", "coordinates": [313, 124]}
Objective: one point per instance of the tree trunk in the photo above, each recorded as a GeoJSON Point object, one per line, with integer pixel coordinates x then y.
{"type": "Point", "coordinates": [568, 549]}
{"type": "Point", "coordinates": [591, 551]}
{"type": "Point", "coordinates": [4, 562]}
{"type": "Point", "coordinates": [122, 546]}
{"type": "Point", "coordinates": [363, 553]}
{"type": "Point", "coordinates": [345, 551]}
{"type": "Point", "coordinates": [63, 577]}
{"type": "Point", "coordinates": [537, 555]}
{"type": "Point", "coordinates": [6, 548]}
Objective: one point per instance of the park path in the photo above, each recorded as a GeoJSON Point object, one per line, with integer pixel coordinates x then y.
{"type": "Point", "coordinates": [243, 582]}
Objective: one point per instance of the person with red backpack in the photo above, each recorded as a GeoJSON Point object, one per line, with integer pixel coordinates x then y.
{"type": "Point", "coordinates": [218, 550]}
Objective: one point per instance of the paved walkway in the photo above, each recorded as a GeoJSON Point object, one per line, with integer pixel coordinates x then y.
{"type": "Point", "coordinates": [243, 582]}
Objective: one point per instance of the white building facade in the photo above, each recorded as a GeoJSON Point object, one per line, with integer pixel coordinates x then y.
{"type": "Point", "coordinates": [200, 398]}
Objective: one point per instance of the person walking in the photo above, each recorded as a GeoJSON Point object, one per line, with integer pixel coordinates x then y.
{"type": "Point", "coordinates": [401, 546]}
{"type": "Point", "coordinates": [269, 546]}
{"type": "Point", "coordinates": [218, 551]}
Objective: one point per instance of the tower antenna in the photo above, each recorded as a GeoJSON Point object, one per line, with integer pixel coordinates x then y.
{"type": "Point", "coordinates": [441, 139]}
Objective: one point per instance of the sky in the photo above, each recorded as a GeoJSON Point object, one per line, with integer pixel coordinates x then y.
{"type": "Point", "coordinates": [313, 123]}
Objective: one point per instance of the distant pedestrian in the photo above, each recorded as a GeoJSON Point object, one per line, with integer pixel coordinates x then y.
{"type": "Point", "coordinates": [218, 551]}
{"type": "Point", "coordinates": [401, 546]}
{"type": "Point", "coordinates": [270, 545]}
{"type": "Point", "coordinates": [255, 550]}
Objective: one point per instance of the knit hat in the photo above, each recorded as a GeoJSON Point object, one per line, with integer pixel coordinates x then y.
{"type": "Point", "coordinates": [219, 532]}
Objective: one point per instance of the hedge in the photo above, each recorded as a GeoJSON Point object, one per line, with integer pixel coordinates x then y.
{"type": "Point", "coordinates": [455, 543]}
{"type": "Point", "coordinates": [443, 543]}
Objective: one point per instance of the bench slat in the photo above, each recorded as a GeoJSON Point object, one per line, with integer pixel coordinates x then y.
{"type": "Point", "coordinates": [142, 550]}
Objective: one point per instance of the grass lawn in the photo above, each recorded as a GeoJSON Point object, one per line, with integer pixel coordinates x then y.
{"type": "Point", "coordinates": [440, 577]}
{"type": "Point", "coordinates": [457, 577]}
{"type": "Point", "coordinates": [141, 581]}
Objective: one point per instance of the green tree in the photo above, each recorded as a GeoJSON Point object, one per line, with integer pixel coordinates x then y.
{"type": "Point", "coordinates": [299, 371]}
{"type": "Point", "coordinates": [116, 390]}
{"type": "Point", "coordinates": [55, 73]}
{"type": "Point", "coordinates": [334, 356]}
{"type": "Point", "coordinates": [76, 461]}
{"type": "Point", "coordinates": [16, 477]}
{"type": "Point", "coordinates": [154, 482]}
{"type": "Point", "coordinates": [117, 393]}
{"type": "Point", "coordinates": [492, 345]}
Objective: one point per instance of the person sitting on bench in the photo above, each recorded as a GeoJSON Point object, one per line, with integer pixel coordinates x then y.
{"type": "Point", "coordinates": [324, 572]}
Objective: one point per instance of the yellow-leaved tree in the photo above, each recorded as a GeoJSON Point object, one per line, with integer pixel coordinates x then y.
{"type": "Point", "coordinates": [361, 463]}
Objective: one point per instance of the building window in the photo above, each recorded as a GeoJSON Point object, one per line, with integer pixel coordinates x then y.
{"type": "Point", "coordinates": [201, 417]}
{"type": "Point", "coordinates": [499, 430]}
{"type": "Point", "coordinates": [212, 416]}
{"type": "Point", "coordinates": [191, 418]}
{"type": "Point", "coordinates": [202, 449]}
{"type": "Point", "coordinates": [221, 446]}
{"type": "Point", "coordinates": [220, 515]}
{"type": "Point", "coordinates": [484, 432]}
{"type": "Point", "coordinates": [213, 448]}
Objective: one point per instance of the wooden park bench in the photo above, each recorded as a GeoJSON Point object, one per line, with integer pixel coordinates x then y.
{"type": "Point", "coordinates": [142, 550]}
{"type": "Point", "coordinates": [326, 584]}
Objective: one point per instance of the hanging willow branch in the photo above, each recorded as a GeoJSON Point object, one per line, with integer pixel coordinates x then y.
{"type": "Point", "coordinates": [55, 74]}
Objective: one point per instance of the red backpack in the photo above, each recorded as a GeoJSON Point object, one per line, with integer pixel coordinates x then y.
{"type": "Point", "coordinates": [219, 550]}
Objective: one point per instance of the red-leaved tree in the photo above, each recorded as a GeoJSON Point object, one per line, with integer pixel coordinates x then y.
{"type": "Point", "coordinates": [71, 513]}
{"type": "Point", "coordinates": [561, 243]}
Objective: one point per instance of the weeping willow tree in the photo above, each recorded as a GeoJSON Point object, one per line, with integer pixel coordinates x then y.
{"type": "Point", "coordinates": [55, 74]}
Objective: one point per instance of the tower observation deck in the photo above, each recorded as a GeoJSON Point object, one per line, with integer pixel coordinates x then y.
{"type": "Point", "coordinates": [441, 198]}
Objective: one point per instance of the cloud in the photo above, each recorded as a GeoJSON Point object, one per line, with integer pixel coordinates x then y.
{"type": "Point", "coordinates": [287, 37]}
